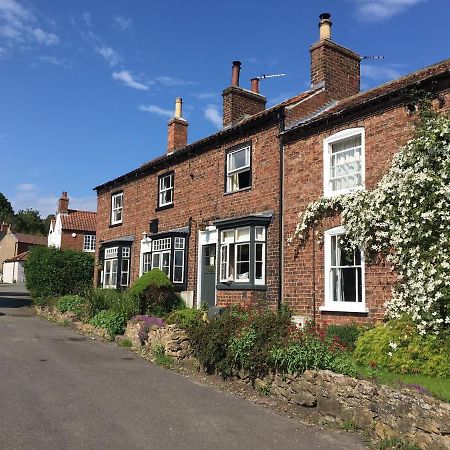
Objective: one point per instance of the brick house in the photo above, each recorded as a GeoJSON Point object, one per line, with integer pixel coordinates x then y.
{"type": "Point", "coordinates": [215, 214]}
{"type": "Point", "coordinates": [71, 228]}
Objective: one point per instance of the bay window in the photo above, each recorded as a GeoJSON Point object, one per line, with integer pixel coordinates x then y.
{"type": "Point", "coordinates": [116, 267]}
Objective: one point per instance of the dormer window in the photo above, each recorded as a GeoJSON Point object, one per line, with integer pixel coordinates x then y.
{"type": "Point", "coordinates": [238, 169]}
{"type": "Point", "coordinates": [165, 190]}
{"type": "Point", "coordinates": [117, 208]}
{"type": "Point", "coordinates": [344, 162]}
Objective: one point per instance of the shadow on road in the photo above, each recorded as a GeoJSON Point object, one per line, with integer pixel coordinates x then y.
{"type": "Point", "coordinates": [12, 302]}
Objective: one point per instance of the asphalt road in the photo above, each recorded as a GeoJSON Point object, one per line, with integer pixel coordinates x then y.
{"type": "Point", "coordinates": [60, 390]}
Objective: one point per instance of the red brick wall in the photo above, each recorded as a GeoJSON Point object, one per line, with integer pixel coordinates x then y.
{"type": "Point", "coordinates": [73, 243]}
{"type": "Point", "coordinates": [199, 194]}
{"type": "Point", "coordinates": [385, 133]}
{"type": "Point", "coordinates": [238, 102]}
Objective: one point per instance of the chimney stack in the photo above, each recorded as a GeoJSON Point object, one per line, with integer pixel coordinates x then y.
{"type": "Point", "coordinates": [177, 129]}
{"type": "Point", "coordinates": [333, 66]}
{"type": "Point", "coordinates": [4, 227]}
{"type": "Point", "coordinates": [63, 204]}
{"type": "Point", "coordinates": [238, 102]}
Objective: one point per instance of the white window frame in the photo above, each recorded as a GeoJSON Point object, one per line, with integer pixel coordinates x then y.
{"type": "Point", "coordinates": [175, 266]}
{"type": "Point", "coordinates": [262, 242]}
{"type": "Point", "coordinates": [341, 135]}
{"type": "Point", "coordinates": [89, 243]}
{"type": "Point", "coordinates": [115, 211]}
{"type": "Point", "coordinates": [110, 263]}
{"type": "Point", "coordinates": [162, 190]}
{"type": "Point", "coordinates": [329, 304]}
{"type": "Point", "coordinates": [146, 262]}
{"type": "Point", "coordinates": [127, 272]}
{"type": "Point", "coordinates": [244, 168]}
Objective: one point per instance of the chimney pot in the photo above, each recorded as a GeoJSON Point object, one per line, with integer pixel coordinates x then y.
{"type": "Point", "coordinates": [255, 85]}
{"type": "Point", "coordinates": [178, 108]}
{"type": "Point", "coordinates": [235, 72]}
{"type": "Point", "coordinates": [325, 26]}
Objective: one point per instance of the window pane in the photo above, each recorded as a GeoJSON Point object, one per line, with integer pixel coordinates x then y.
{"type": "Point", "coordinates": [179, 258]}
{"type": "Point", "coordinates": [242, 270]}
{"type": "Point", "coordinates": [243, 234]}
{"type": "Point", "coordinates": [178, 274]}
{"type": "Point", "coordinates": [259, 252]}
{"type": "Point", "coordinates": [348, 279]}
{"type": "Point", "coordinates": [243, 252]}
{"type": "Point", "coordinates": [258, 270]}
{"type": "Point", "coordinates": [165, 267]}
{"type": "Point", "coordinates": [239, 159]}
{"type": "Point", "coordinates": [260, 233]}
{"type": "Point", "coordinates": [227, 236]}
{"type": "Point", "coordinates": [156, 261]}
{"type": "Point", "coordinates": [244, 179]}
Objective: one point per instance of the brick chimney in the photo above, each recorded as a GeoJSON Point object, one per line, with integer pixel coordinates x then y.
{"type": "Point", "coordinates": [177, 129]}
{"type": "Point", "coordinates": [239, 102]}
{"type": "Point", "coordinates": [63, 204]}
{"type": "Point", "coordinates": [332, 65]}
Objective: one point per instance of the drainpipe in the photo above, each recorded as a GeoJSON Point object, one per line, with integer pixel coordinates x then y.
{"type": "Point", "coordinates": [314, 272]}
{"type": "Point", "coordinates": [281, 127]}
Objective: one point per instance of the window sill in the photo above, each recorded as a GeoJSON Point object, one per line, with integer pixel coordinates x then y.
{"type": "Point", "coordinates": [357, 309]}
{"type": "Point", "coordinates": [114, 225]}
{"type": "Point", "coordinates": [239, 190]}
{"type": "Point", "coordinates": [351, 190]}
{"type": "Point", "coordinates": [240, 287]}
{"type": "Point", "coordinates": [162, 208]}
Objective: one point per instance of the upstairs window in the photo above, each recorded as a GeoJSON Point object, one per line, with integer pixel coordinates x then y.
{"type": "Point", "coordinates": [116, 208]}
{"type": "Point", "coordinates": [344, 162]}
{"type": "Point", "coordinates": [89, 243]}
{"type": "Point", "coordinates": [165, 190]}
{"type": "Point", "coordinates": [238, 169]}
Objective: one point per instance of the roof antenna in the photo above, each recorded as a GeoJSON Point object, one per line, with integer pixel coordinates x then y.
{"type": "Point", "coordinates": [371, 57]}
{"type": "Point", "coordinates": [255, 81]}
{"type": "Point", "coordinates": [262, 77]}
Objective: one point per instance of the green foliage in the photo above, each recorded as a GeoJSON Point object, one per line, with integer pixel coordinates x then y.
{"type": "Point", "coordinates": [155, 293]}
{"type": "Point", "coordinates": [122, 303]}
{"type": "Point", "coordinates": [113, 322]}
{"type": "Point", "coordinates": [185, 318]}
{"type": "Point", "coordinates": [397, 444]}
{"type": "Point", "coordinates": [344, 363]}
{"type": "Point", "coordinates": [72, 303]}
{"type": "Point", "coordinates": [29, 221]}
{"type": "Point", "coordinates": [265, 389]}
{"type": "Point", "coordinates": [210, 343]}
{"type": "Point", "coordinates": [399, 347]}
{"type": "Point", "coordinates": [6, 210]}
{"type": "Point", "coordinates": [53, 272]}
{"type": "Point", "coordinates": [159, 353]}
{"type": "Point", "coordinates": [126, 343]}
{"type": "Point", "coordinates": [347, 334]}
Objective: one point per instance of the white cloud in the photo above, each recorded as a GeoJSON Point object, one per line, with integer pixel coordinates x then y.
{"type": "Point", "coordinates": [206, 95]}
{"type": "Point", "coordinates": [54, 61]}
{"type": "Point", "coordinates": [127, 79]}
{"type": "Point", "coordinates": [212, 114]}
{"type": "Point", "coordinates": [381, 72]}
{"type": "Point", "coordinates": [122, 23]}
{"type": "Point", "coordinates": [26, 187]}
{"type": "Point", "coordinates": [172, 81]}
{"type": "Point", "coordinates": [87, 18]}
{"type": "Point", "coordinates": [109, 55]}
{"type": "Point", "coordinates": [378, 10]}
{"type": "Point", "coordinates": [155, 109]}
{"type": "Point", "coordinates": [19, 25]}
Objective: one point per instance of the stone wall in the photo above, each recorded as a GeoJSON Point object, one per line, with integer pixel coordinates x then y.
{"type": "Point", "coordinates": [405, 413]}
{"type": "Point", "coordinates": [174, 340]}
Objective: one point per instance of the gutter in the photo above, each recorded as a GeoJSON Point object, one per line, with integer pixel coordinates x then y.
{"type": "Point", "coordinates": [281, 127]}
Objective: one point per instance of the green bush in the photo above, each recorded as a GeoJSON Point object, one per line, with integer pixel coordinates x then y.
{"type": "Point", "coordinates": [123, 303]}
{"type": "Point", "coordinates": [347, 334]}
{"type": "Point", "coordinates": [72, 303]}
{"type": "Point", "coordinates": [185, 318]}
{"type": "Point", "coordinates": [113, 322]}
{"type": "Point", "coordinates": [53, 272]}
{"type": "Point", "coordinates": [398, 347]}
{"type": "Point", "coordinates": [155, 293]}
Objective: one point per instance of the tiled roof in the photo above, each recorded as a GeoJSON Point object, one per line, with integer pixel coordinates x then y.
{"type": "Point", "coordinates": [440, 68]}
{"type": "Point", "coordinates": [79, 221]}
{"type": "Point", "coordinates": [21, 257]}
{"type": "Point", "coordinates": [31, 239]}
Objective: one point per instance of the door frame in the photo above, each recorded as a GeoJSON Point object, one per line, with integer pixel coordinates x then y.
{"type": "Point", "coordinates": [209, 236]}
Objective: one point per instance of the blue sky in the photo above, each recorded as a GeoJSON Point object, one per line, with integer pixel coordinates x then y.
{"type": "Point", "coordinates": [87, 87]}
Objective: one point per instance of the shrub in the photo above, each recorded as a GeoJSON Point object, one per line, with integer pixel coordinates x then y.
{"type": "Point", "coordinates": [185, 318]}
{"type": "Point", "coordinates": [159, 353]}
{"type": "Point", "coordinates": [155, 293]}
{"type": "Point", "coordinates": [113, 322]}
{"type": "Point", "coordinates": [123, 303]}
{"type": "Point", "coordinates": [72, 303]}
{"type": "Point", "coordinates": [53, 272]}
{"type": "Point", "coordinates": [347, 334]}
{"type": "Point", "coordinates": [398, 347]}
{"type": "Point", "coordinates": [146, 324]}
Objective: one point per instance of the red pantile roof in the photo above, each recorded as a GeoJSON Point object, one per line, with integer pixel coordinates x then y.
{"type": "Point", "coordinates": [31, 239]}
{"type": "Point", "coordinates": [21, 257]}
{"type": "Point", "coordinates": [79, 221]}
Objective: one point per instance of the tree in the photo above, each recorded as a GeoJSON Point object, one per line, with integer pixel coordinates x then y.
{"type": "Point", "coordinates": [47, 221]}
{"type": "Point", "coordinates": [29, 221]}
{"type": "Point", "coordinates": [6, 210]}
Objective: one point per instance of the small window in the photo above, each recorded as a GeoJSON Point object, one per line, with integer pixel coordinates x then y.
{"type": "Point", "coordinates": [116, 208]}
{"type": "Point", "coordinates": [165, 190]}
{"type": "Point", "coordinates": [344, 162]}
{"type": "Point", "coordinates": [238, 169]}
{"type": "Point", "coordinates": [89, 243]}
{"type": "Point", "coordinates": [344, 273]}
{"type": "Point", "coordinates": [146, 262]}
